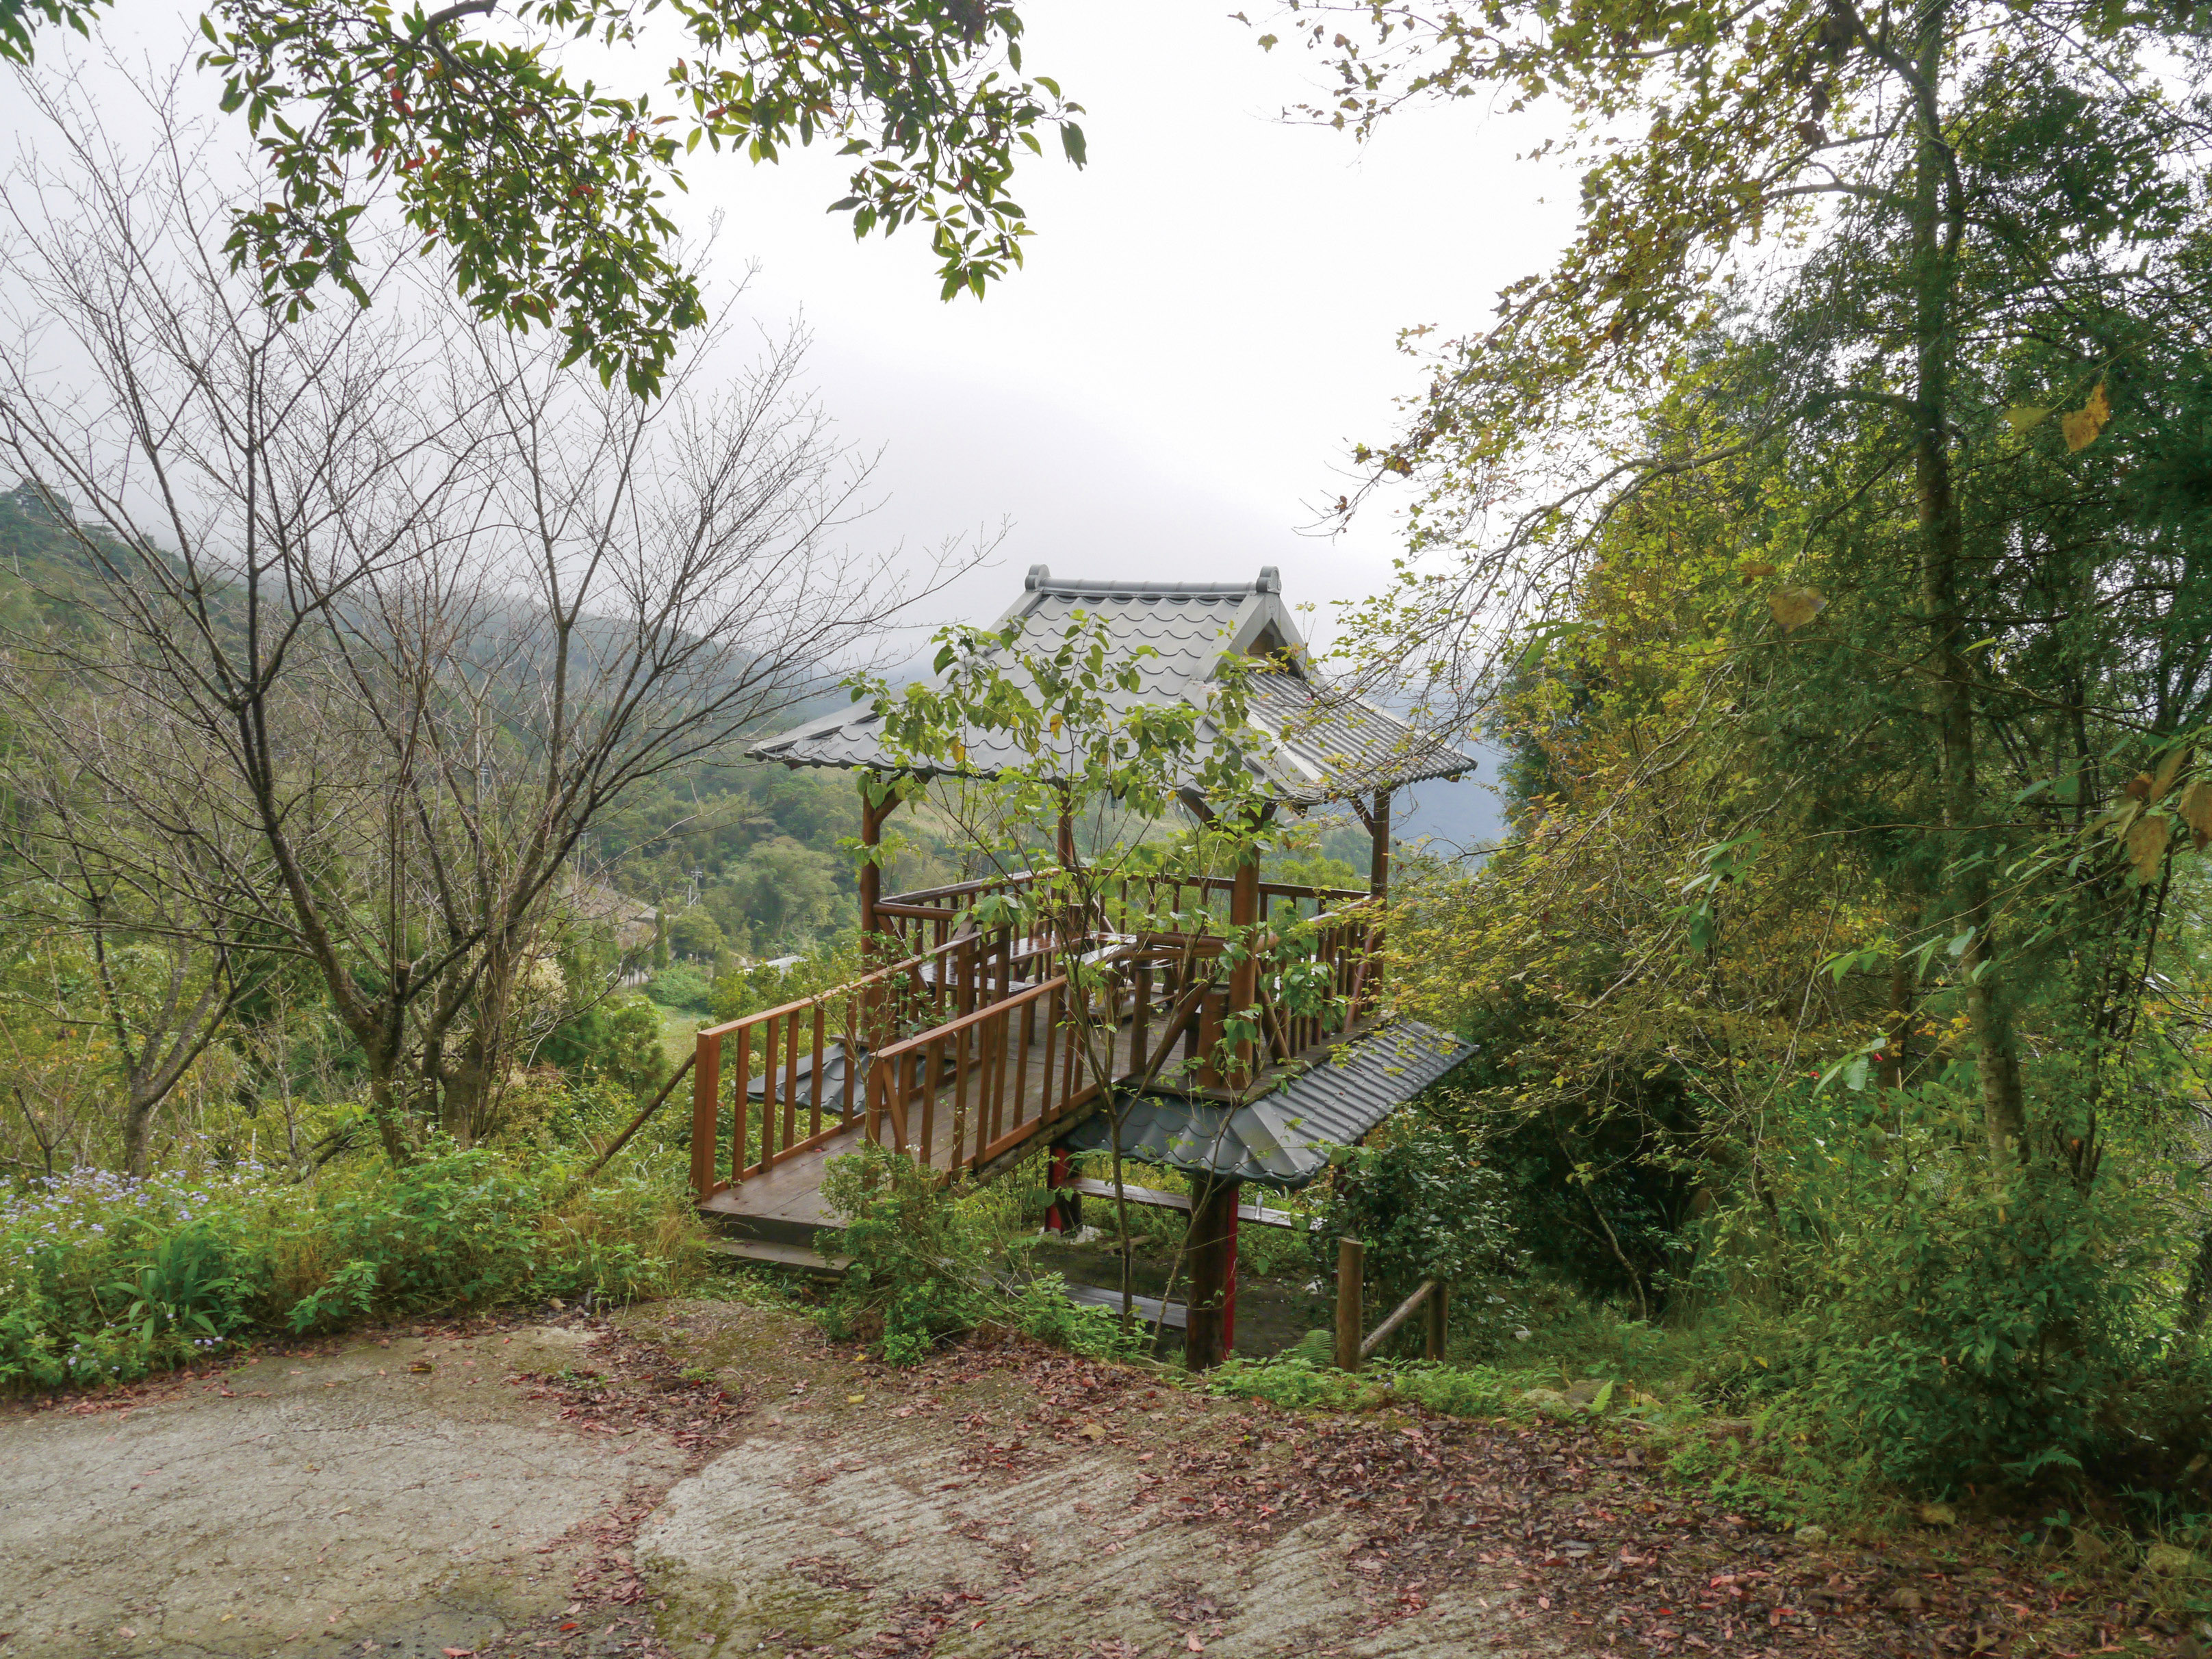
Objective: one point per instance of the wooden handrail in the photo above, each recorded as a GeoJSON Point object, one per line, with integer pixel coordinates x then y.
{"type": "Point", "coordinates": [905, 966]}
{"type": "Point", "coordinates": [982, 883]}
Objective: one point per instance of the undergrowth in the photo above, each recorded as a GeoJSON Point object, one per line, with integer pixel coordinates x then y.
{"type": "Point", "coordinates": [103, 1279]}
{"type": "Point", "coordinates": [931, 1259]}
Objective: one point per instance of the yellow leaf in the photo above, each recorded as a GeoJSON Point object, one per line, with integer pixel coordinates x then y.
{"type": "Point", "coordinates": [2147, 845]}
{"type": "Point", "coordinates": [2166, 768]}
{"type": "Point", "coordinates": [1757, 568]}
{"type": "Point", "coordinates": [2194, 805]}
{"type": "Point", "coordinates": [1793, 607]}
{"type": "Point", "coordinates": [959, 753]}
{"type": "Point", "coordinates": [2024, 419]}
{"type": "Point", "coordinates": [2083, 424]}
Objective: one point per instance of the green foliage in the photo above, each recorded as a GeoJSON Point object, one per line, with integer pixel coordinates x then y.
{"type": "Point", "coordinates": [617, 1041]}
{"type": "Point", "coordinates": [931, 1259]}
{"type": "Point", "coordinates": [1426, 1206]}
{"type": "Point", "coordinates": [103, 1279]}
{"type": "Point", "coordinates": [545, 193]}
{"type": "Point", "coordinates": [1957, 1328]}
{"type": "Point", "coordinates": [684, 989]}
{"type": "Point", "coordinates": [919, 1271]}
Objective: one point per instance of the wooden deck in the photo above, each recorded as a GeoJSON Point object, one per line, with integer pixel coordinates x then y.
{"type": "Point", "coordinates": [970, 1048]}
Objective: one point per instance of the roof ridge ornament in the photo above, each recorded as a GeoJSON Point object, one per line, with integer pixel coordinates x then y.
{"type": "Point", "coordinates": [1038, 576]}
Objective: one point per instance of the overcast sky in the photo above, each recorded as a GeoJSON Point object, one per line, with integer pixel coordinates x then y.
{"type": "Point", "coordinates": [1206, 321]}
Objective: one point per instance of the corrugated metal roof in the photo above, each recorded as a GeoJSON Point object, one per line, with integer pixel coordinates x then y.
{"type": "Point", "coordinates": [1321, 743]}
{"type": "Point", "coordinates": [1282, 1139]}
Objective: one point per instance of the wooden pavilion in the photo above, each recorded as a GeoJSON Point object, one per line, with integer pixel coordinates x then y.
{"type": "Point", "coordinates": [957, 1048]}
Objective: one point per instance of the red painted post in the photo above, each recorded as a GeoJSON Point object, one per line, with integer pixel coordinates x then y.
{"type": "Point", "coordinates": [1057, 1176]}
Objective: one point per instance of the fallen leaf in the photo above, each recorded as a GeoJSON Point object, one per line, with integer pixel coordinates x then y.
{"type": "Point", "coordinates": [854, 1399]}
{"type": "Point", "coordinates": [1192, 1642]}
{"type": "Point", "coordinates": [1092, 1431]}
{"type": "Point", "coordinates": [1793, 607]}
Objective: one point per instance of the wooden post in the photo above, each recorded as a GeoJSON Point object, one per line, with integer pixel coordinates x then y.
{"type": "Point", "coordinates": [1212, 1252]}
{"type": "Point", "coordinates": [872, 877]}
{"type": "Point", "coordinates": [1378, 858]}
{"type": "Point", "coordinates": [1439, 1304]}
{"type": "Point", "coordinates": [1244, 978]}
{"type": "Point", "coordinates": [1378, 882]}
{"type": "Point", "coordinates": [1058, 1177]}
{"type": "Point", "coordinates": [1229, 1294]}
{"type": "Point", "coordinates": [706, 1115]}
{"type": "Point", "coordinates": [1351, 1316]}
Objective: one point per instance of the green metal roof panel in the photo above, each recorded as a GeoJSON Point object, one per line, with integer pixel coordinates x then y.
{"type": "Point", "coordinates": [1283, 1138]}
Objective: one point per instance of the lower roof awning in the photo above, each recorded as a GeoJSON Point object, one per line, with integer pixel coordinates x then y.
{"type": "Point", "coordinates": [1283, 1138]}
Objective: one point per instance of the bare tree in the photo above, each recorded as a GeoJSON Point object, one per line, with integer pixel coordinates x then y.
{"type": "Point", "coordinates": [106, 866]}
{"type": "Point", "coordinates": [426, 602]}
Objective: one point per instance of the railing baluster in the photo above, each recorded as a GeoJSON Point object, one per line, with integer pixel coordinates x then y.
{"type": "Point", "coordinates": [790, 1081]}
{"type": "Point", "coordinates": [1051, 1033]}
{"type": "Point", "coordinates": [960, 1071]}
{"type": "Point", "coordinates": [768, 1093]}
{"type": "Point", "coordinates": [814, 1094]}
{"type": "Point", "coordinates": [706, 1115]}
{"type": "Point", "coordinates": [933, 1068]}
{"type": "Point", "coordinates": [1022, 1059]}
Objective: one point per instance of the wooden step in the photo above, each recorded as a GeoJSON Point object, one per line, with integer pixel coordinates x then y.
{"type": "Point", "coordinates": [1154, 1197]}
{"type": "Point", "coordinates": [766, 1253]}
{"type": "Point", "coordinates": [1176, 1317]}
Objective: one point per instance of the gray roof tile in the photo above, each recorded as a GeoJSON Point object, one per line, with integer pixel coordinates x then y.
{"type": "Point", "coordinates": [1326, 742]}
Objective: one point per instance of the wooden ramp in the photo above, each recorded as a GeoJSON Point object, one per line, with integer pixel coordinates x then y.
{"type": "Point", "coordinates": [982, 1113]}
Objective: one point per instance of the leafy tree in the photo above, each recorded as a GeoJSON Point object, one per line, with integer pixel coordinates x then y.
{"type": "Point", "coordinates": [1926, 229]}
{"type": "Point", "coordinates": [544, 194]}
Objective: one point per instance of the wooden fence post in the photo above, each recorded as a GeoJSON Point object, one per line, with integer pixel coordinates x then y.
{"type": "Point", "coordinates": [1351, 1317]}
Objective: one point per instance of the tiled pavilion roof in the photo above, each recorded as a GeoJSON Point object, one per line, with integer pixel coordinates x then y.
{"type": "Point", "coordinates": [1324, 744]}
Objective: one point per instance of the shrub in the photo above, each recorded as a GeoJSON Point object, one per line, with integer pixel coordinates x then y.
{"type": "Point", "coordinates": [106, 1278]}
{"type": "Point", "coordinates": [931, 1258]}
{"type": "Point", "coordinates": [686, 990]}
{"type": "Point", "coordinates": [1427, 1206]}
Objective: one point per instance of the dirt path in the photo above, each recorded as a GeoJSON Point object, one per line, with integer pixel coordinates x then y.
{"type": "Point", "coordinates": [305, 1504]}
{"type": "Point", "coordinates": [706, 1480]}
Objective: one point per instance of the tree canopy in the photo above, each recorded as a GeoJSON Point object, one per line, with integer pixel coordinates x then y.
{"type": "Point", "coordinates": [546, 192]}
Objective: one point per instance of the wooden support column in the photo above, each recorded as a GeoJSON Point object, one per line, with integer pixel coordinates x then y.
{"type": "Point", "coordinates": [1212, 1252]}
{"type": "Point", "coordinates": [1244, 978]}
{"type": "Point", "coordinates": [1378, 874]}
{"type": "Point", "coordinates": [1378, 832]}
{"type": "Point", "coordinates": [872, 875]}
{"type": "Point", "coordinates": [1065, 1214]}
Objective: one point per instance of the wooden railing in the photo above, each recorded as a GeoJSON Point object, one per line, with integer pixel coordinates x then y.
{"type": "Point", "coordinates": [973, 1078]}
{"type": "Point", "coordinates": [792, 1050]}
{"type": "Point", "coordinates": [1343, 948]}
{"type": "Point", "coordinates": [959, 1051]}
{"type": "Point", "coordinates": [930, 916]}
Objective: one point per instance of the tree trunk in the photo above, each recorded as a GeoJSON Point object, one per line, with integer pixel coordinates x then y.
{"type": "Point", "coordinates": [1938, 225]}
